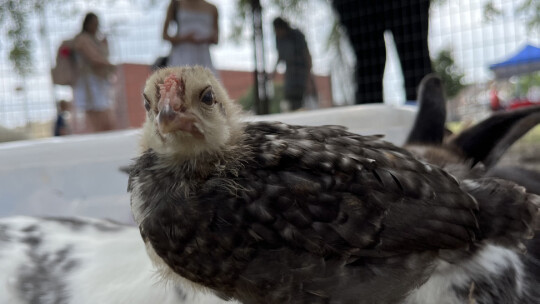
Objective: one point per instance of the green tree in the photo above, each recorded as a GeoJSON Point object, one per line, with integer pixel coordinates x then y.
{"type": "Point", "coordinates": [248, 99]}
{"type": "Point", "coordinates": [526, 10]}
{"type": "Point", "coordinates": [241, 20]}
{"type": "Point", "coordinates": [451, 75]}
{"type": "Point", "coordinates": [525, 82]}
{"type": "Point", "coordinates": [14, 21]}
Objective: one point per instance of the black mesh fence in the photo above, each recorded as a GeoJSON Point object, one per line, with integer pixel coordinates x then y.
{"type": "Point", "coordinates": [372, 51]}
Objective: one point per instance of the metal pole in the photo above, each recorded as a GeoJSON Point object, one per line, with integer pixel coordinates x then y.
{"type": "Point", "coordinates": [257, 99]}
{"type": "Point", "coordinates": [261, 78]}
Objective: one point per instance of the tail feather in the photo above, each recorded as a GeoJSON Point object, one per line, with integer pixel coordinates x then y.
{"type": "Point", "coordinates": [507, 213]}
{"type": "Point", "coordinates": [530, 179]}
{"type": "Point", "coordinates": [488, 140]}
{"type": "Point", "coordinates": [428, 126]}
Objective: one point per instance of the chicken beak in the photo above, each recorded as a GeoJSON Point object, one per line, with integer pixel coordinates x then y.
{"type": "Point", "coordinates": [172, 121]}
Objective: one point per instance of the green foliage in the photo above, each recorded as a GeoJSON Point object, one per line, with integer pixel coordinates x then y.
{"type": "Point", "coordinates": [451, 75]}
{"type": "Point", "coordinates": [336, 36]}
{"type": "Point", "coordinates": [525, 82]}
{"type": "Point", "coordinates": [20, 56]}
{"type": "Point", "coordinates": [243, 13]}
{"type": "Point", "coordinates": [527, 10]}
{"type": "Point", "coordinates": [248, 100]}
{"type": "Point", "coordinates": [531, 10]}
{"type": "Point", "coordinates": [13, 18]}
{"type": "Point", "coordinates": [490, 11]}
{"type": "Point", "coordinates": [243, 9]}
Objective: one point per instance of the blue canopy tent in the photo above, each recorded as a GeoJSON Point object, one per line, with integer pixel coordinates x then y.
{"type": "Point", "coordinates": [525, 61]}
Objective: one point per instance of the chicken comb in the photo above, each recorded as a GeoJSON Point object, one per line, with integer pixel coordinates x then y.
{"type": "Point", "coordinates": [172, 86]}
{"type": "Point", "coordinates": [170, 80]}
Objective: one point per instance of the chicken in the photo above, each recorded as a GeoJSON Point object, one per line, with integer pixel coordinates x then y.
{"type": "Point", "coordinates": [81, 261]}
{"type": "Point", "coordinates": [475, 150]}
{"type": "Point", "coordinates": [272, 213]}
{"type": "Point", "coordinates": [496, 274]}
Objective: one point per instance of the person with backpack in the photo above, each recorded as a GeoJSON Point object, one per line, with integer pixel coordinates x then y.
{"type": "Point", "coordinates": [93, 90]}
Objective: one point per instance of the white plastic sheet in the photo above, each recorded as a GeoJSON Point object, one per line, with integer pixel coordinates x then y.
{"type": "Point", "coordinates": [78, 175]}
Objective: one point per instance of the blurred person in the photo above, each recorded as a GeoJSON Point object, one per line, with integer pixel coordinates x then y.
{"type": "Point", "coordinates": [93, 90]}
{"type": "Point", "coordinates": [293, 51]}
{"type": "Point", "coordinates": [494, 100]}
{"type": "Point", "coordinates": [62, 126]}
{"type": "Point", "coordinates": [196, 28]}
{"type": "Point", "coordinates": [366, 21]}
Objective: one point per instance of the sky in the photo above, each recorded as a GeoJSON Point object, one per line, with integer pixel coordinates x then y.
{"type": "Point", "coordinates": [134, 34]}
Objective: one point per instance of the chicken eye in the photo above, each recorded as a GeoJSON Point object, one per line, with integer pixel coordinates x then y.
{"type": "Point", "coordinates": [146, 103]}
{"type": "Point", "coordinates": [208, 98]}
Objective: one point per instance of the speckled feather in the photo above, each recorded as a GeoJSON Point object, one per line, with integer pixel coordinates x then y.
{"type": "Point", "coordinates": [309, 205]}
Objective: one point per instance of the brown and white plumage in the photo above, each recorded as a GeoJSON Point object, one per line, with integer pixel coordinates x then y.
{"type": "Point", "coordinates": [272, 213]}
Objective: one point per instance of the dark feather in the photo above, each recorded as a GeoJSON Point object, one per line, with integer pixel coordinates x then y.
{"type": "Point", "coordinates": [527, 178]}
{"type": "Point", "coordinates": [315, 214]}
{"type": "Point", "coordinates": [428, 126]}
{"type": "Point", "coordinates": [488, 140]}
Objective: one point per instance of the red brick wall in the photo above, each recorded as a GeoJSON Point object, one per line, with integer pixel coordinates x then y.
{"type": "Point", "coordinates": [130, 82]}
{"type": "Point", "coordinates": [237, 83]}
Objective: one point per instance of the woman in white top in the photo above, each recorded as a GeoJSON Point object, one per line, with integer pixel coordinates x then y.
{"type": "Point", "coordinates": [196, 28]}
